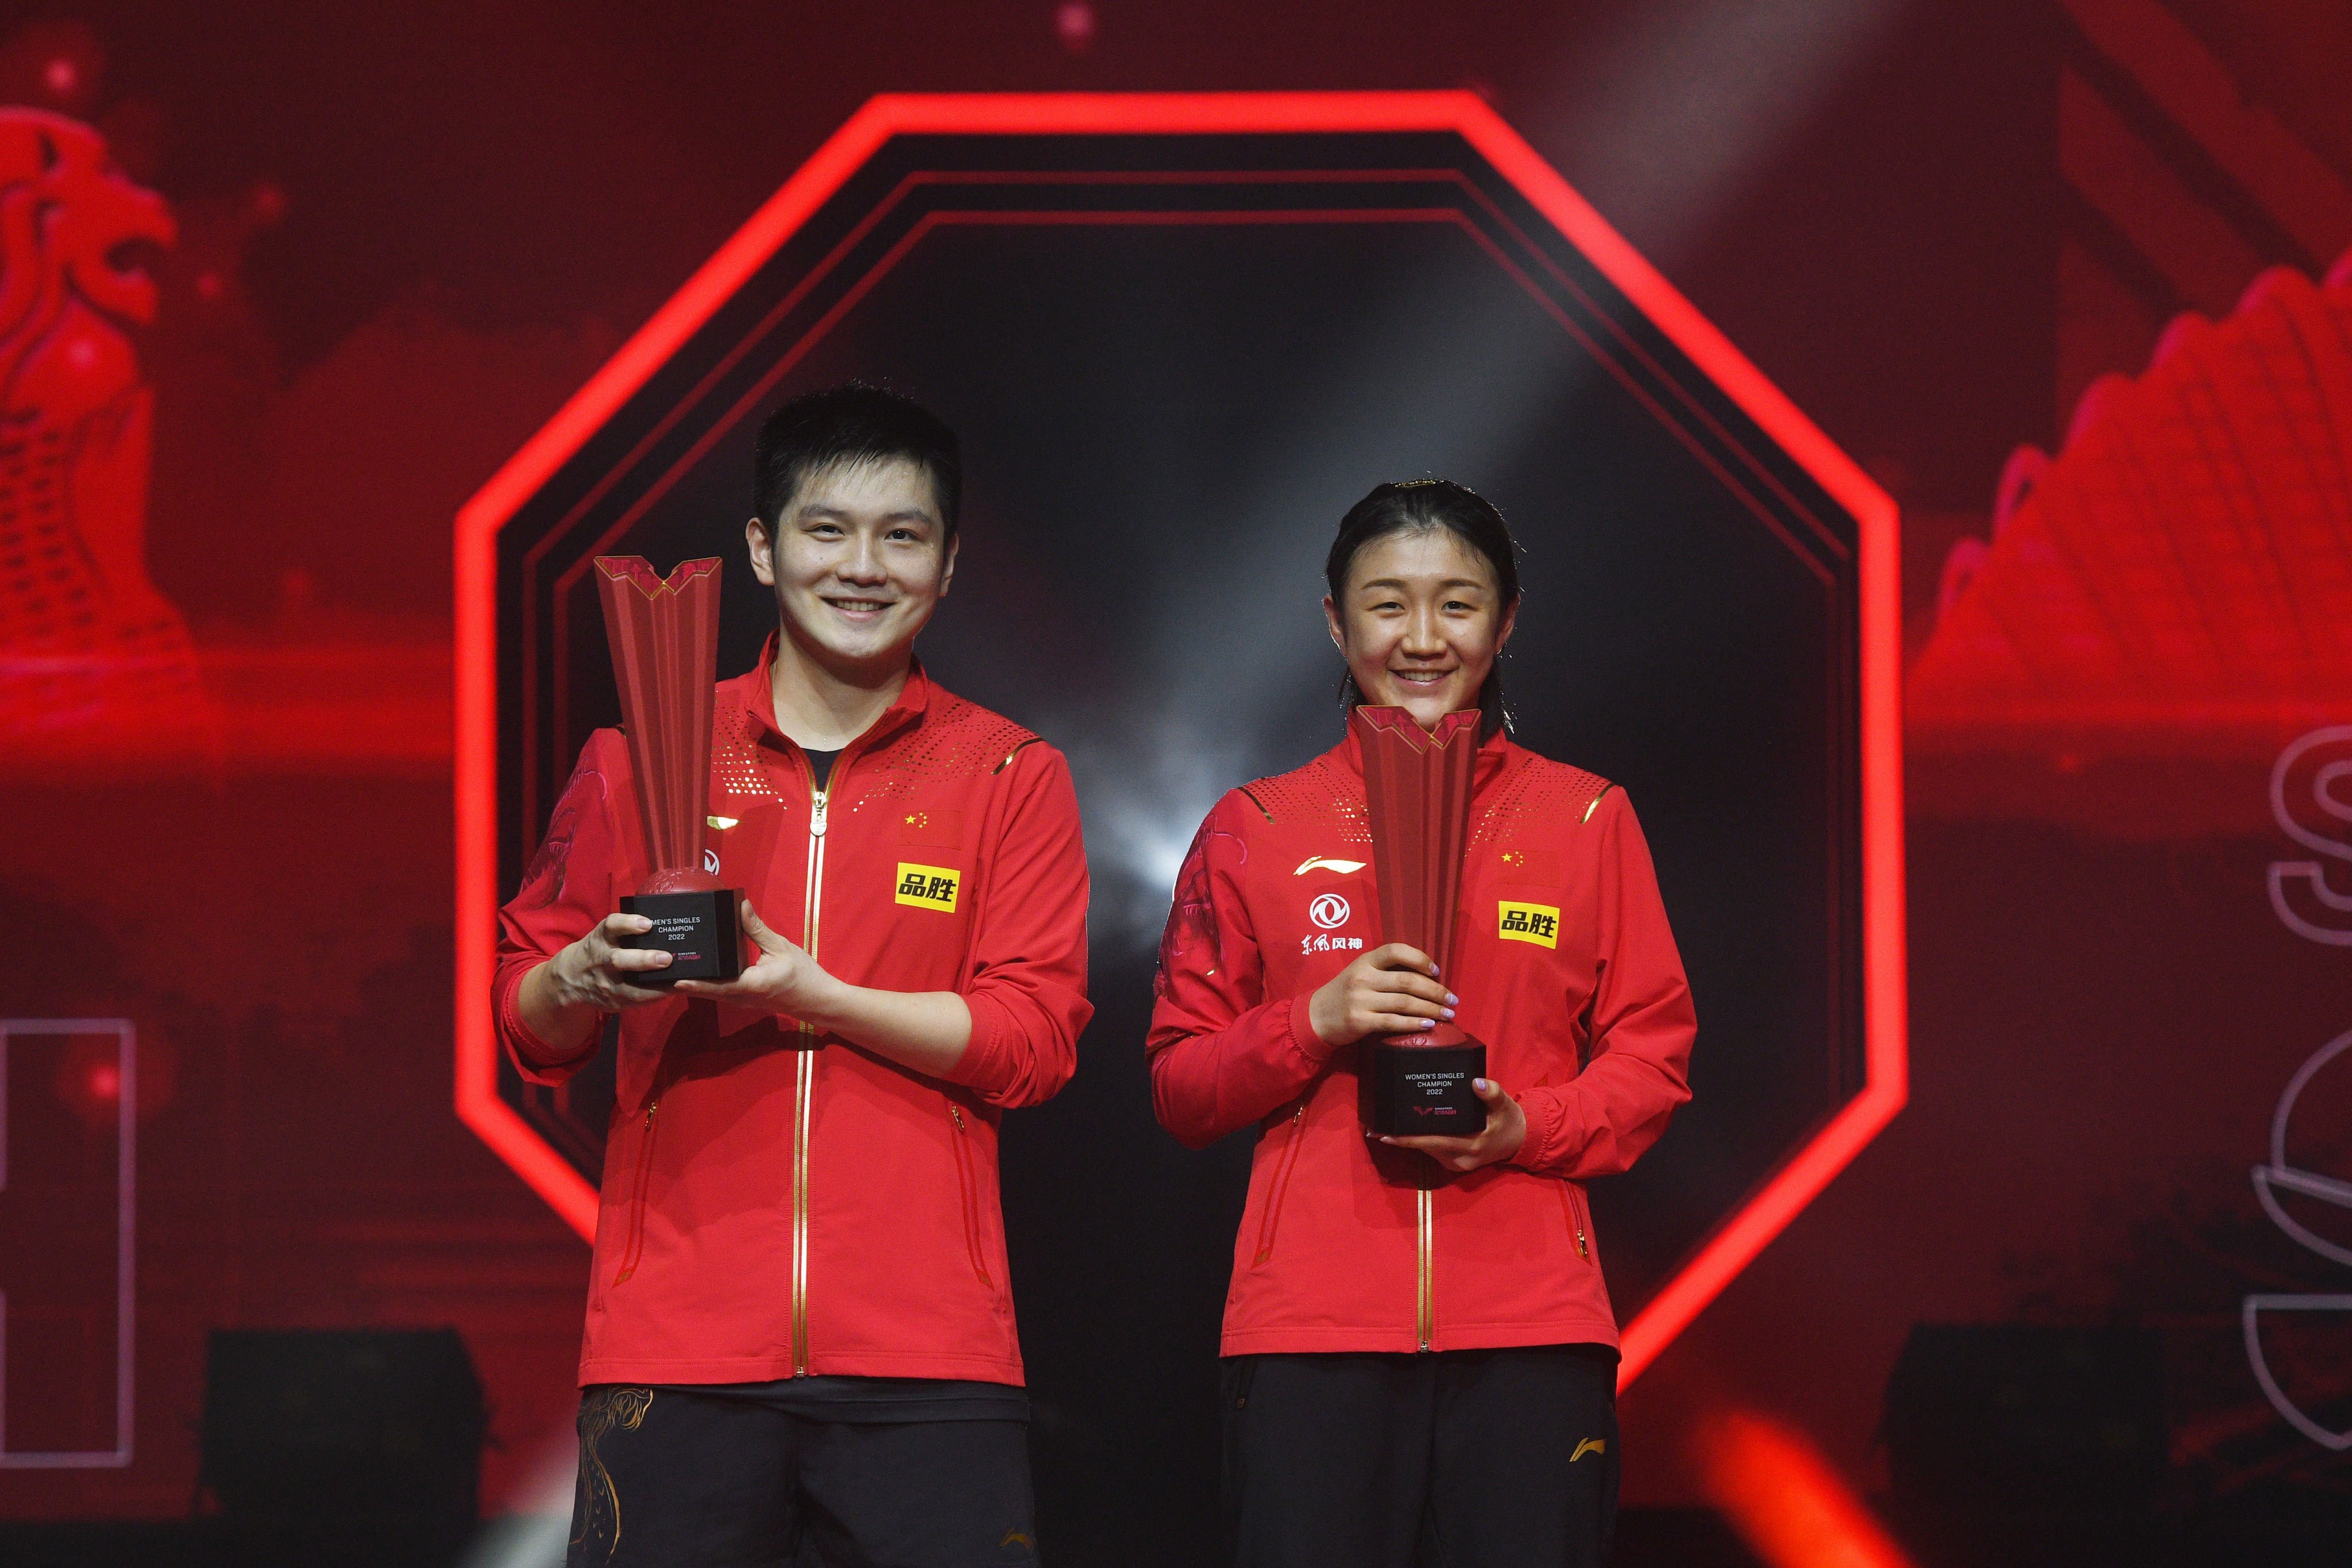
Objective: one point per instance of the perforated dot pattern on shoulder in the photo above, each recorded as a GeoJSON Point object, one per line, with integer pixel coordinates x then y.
{"type": "Point", "coordinates": [738, 764]}
{"type": "Point", "coordinates": [1316, 794]}
{"type": "Point", "coordinates": [956, 740]}
{"type": "Point", "coordinates": [1538, 793]}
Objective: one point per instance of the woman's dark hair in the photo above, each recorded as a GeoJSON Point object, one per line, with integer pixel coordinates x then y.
{"type": "Point", "coordinates": [1419, 506]}
{"type": "Point", "coordinates": [853, 423]}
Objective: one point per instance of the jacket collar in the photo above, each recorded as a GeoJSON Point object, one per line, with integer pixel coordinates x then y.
{"type": "Point", "coordinates": [755, 690]}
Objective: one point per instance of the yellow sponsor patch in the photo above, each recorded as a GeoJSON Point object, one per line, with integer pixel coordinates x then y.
{"type": "Point", "coordinates": [1538, 923]}
{"type": "Point", "coordinates": [929, 887]}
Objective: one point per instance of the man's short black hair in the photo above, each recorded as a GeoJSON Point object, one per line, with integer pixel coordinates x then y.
{"type": "Point", "coordinates": [853, 423]}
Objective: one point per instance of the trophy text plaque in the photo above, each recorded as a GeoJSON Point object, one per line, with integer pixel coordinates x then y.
{"type": "Point", "coordinates": [1417, 799]}
{"type": "Point", "coordinates": [665, 641]}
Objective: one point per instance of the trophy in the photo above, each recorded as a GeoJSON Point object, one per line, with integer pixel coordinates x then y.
{"type": "Point", "coordinates": [665, 640]}
{"type": "Point", "coordinates": [1417, 791]}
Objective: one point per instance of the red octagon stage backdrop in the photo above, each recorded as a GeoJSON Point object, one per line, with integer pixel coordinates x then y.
{"type": "Point", "coordinates": [1180, 334]}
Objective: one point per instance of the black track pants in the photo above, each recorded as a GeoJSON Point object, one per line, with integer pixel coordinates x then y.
{"type": "Point", "coordinates": [1499, 1458]}
{"type": "Point", "coordinates": [672, 1479]}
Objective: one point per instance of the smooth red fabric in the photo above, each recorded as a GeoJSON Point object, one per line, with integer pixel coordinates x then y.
{"type": "Point", "coordinates": [905, 1266]}
{"type": "Point", "coordinates": [1592, 1035]}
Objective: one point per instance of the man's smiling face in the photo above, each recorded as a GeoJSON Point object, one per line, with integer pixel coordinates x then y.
{"type": "Point", "coordinates": [858, 561]}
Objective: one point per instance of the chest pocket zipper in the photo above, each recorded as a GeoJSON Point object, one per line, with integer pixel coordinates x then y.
{"type": "Point", "coordinates": [968, 1186]}
{"type": "Point", "coordinates": [1281, 1184]}
{"type": "Point", "coordinates": [636, 1242]}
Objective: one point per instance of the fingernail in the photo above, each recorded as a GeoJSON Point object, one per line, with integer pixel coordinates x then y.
{"type": "Point", "coordinates": [1448, 1014]}
{"type": "Point", "coordinates": [1452, 1000]}
{"type": "Point", "coordinates": [1481, 1085]}
{"type": "Point", "coordinates": [1429, 1022]}
{"type": "Point", "coordinates": [1385, 1139]}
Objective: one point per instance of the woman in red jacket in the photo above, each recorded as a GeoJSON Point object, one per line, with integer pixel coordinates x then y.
{"type": "Point", "coordinates": [1420, 1350]}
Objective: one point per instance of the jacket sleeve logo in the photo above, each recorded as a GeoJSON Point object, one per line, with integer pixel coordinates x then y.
{"type": "Point", "coordinates": [1325, 863]}
{"type": "Point", "coordinates": [1538, 923]}
{"type": "Point", "coordinates": [929, 887]}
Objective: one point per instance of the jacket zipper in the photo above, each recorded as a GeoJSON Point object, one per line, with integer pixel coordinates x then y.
{"type": "Point", "coordinates": [805, 1081]}
{"type": "Point", "coordinates": [1428, 1303]}
{"type": "Point", "coordinates": [969, 1188]}
{"type": "Point", "coordinates": [1568, 1200]}
{"type": "Point", "coordinates": [636, 1248]}
{"type": "Point", "coordinates": [1281, 1183]}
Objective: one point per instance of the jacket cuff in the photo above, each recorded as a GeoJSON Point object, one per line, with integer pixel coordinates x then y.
{"type": "Point", "coordinates": [1302, 1031]}
{"type": "Point", "coordinates": [991, 1023]}
{"type": "Point", "coordinates": [532, 1052]}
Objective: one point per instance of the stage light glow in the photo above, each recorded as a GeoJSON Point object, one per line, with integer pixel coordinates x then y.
{"type": "Point", "coordinates": [1150, 788]}
{"type": "Point", "coordinates": [536, 1532]}
{"type": "Point", "coordinates": [1074, 24]}
{"type": "Point", "coordinates": [1685, 104]}
{"type": "Point", "coordinates": [1786, 1501]}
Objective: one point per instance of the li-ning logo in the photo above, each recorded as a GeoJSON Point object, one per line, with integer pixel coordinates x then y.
{"type": "Point", "coordinates": [929, 887]}
{"type": "Point", "coordinates": [1329, 910]}
{"type": "Point", "coordinates": [1589, 1446]}
{"type": "Point", "coordinates": [1538, 923]}
{"type": "Point", "coordinates": [1325, 863]}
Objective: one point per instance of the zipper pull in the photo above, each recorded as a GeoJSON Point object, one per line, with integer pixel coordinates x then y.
{"type": "Point", "coordinates": [1580, 1249]}
{"type": "Point", "coordinates": [957, 1112]}
{"type": "Point", "coordinates": [816, 822]}
{"type": "Point", "coordinates": [649, 1112]}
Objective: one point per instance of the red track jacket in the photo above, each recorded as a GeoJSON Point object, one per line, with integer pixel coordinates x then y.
{"type": "Point", "coordinates": [1566, 969]}
{"type": "Point", "coordinates": [771, 1207]}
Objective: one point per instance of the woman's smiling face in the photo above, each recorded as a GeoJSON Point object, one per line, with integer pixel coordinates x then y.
{"type": "Point", "coordinates": [1420, 622]}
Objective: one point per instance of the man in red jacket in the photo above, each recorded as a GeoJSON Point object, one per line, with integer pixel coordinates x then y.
{"type": "Point", "coordinates": [799, 1327]}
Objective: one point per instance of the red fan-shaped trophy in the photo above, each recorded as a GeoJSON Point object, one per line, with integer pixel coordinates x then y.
{"type": "Point", "coordinates": [1417, 794]}
{"type": "Point", "coordinates": [665, 638]}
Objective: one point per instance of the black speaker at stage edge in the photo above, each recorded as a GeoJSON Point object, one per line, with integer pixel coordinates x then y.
{"type": "Point", "coordinates": [2005, 1417]}
{"type": "Point", "coordinates": [314, 1423]}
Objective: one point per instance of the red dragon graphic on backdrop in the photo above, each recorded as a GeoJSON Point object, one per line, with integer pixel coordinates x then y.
{"type": "Point", "coordinates": [2174, 587]}
{"type": "Point", "coordinates": [94, 662]}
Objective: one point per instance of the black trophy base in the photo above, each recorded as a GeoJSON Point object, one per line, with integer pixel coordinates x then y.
{"type": "Point", "coordinates": [1415, 1090]}
{"type": "Point", "coordinates": [697, 929]}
